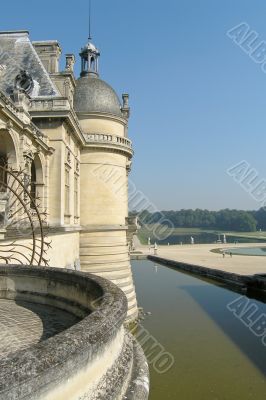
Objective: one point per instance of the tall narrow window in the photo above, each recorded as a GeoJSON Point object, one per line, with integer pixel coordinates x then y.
{"type": "Point", "coordinates": [33, 184]}
{"type": "Point", "coordinates": [68, 137]}
{"type": "Point", "coordinates": [92, 66]}
{"type": "Point", "coordinates": [67, 192]}
{"type": "Point", "coordinates": [76, 198]}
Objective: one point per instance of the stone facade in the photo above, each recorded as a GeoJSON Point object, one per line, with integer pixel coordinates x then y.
{"type": "Point", "coordinates": [71, 138]}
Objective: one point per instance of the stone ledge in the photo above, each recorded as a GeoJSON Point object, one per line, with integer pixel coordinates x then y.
{"type": "Point", "coordinates": [77, 360]}
{"type": "Point", "coordinates": [253, 285]}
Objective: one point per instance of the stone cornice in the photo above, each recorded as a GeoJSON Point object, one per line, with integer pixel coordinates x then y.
{"type": "Point", "coordinates": [13, 113]}
{"type": "Point", "coordinates": [38, 138]}
{"type": "Point", "coordinates": [98, 115]}
{"type": "Point", "coordinates": [57, 108]}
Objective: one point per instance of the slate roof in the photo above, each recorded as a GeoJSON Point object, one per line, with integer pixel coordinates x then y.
{"type": "Point", "coordinates": [94, 95]}
{"type": "Point", "coordinates": [17, 53]}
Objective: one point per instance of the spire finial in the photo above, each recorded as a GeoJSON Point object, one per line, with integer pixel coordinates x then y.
{"type": "Point", "coordinates": [89, 19]}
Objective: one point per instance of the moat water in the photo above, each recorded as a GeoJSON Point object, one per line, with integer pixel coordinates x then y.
{"type": "Point", "coordinates": [217, 356]}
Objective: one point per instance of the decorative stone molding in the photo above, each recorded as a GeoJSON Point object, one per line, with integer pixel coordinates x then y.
{"type": "Point", "coordinates": [129, 165]}
{"type": "Point", "coordinates": [28, 155]}
{"type": "Point", "coordinates": [8, 126]}
{"type": "Point", "coordinates": [9, 104]}
{"type": "Point", "coordinates": [51, 104]}
{"type": "Point", "coordinates": [68, 157]}
{"type": "Point", "coordinates": [22, 101]}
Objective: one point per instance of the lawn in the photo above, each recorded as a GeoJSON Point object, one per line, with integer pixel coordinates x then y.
{"type": "Point", "coordinates": [147, 231]}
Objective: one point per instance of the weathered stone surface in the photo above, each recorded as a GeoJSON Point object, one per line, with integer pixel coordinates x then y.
{"type": "Point", "coordinates": [93, 359]}
{"type": "Point", "coordinates": [24, 324]}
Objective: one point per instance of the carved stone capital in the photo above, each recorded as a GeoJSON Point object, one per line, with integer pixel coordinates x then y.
{"type": "Point", "coordinates": [8, 126]}
{"type": "Point", "coordinates": [28, 156]}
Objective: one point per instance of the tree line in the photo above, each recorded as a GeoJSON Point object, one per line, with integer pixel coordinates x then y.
{"type": "Point", "coordinates": [227, 220]}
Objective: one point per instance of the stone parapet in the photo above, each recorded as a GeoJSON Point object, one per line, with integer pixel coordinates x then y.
{"type": "Point", "coordinates": [95, 359]}
{"type": "Point", "coordinates": [50, 104]}
{"type": "Point", "coordinates": [109, 141]}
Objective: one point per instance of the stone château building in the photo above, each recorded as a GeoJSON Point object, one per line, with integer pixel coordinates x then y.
{"type": "Point", "coordinates": [71, 138]}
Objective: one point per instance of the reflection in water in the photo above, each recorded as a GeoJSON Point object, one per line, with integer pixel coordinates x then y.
{"type": "Point", "coordinates": [216, 356]}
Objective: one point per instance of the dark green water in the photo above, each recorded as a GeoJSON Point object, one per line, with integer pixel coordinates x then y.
{"type": "Point", "coordinates": [216, 356]}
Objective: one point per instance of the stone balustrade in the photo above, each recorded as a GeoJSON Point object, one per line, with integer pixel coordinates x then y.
{"type": "Point", "coordinates": [105, 139]}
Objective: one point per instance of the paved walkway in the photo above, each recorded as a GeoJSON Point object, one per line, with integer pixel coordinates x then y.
{"type": "Point", "coordinates": [201, 255]}
{"type": "Point", "coordinates": [25, 324]}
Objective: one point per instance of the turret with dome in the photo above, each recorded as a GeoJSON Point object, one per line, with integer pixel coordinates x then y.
{"type": "Point", "coordinates": [93, 94]}
{"type": "Point", "coordinates": [105, 165]}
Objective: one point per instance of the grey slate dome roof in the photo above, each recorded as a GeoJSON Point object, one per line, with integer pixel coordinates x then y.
{"type": "Point", "coordinates": [94, 95]}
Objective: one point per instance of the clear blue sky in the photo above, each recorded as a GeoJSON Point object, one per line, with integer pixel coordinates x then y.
{"type": "Point", "coordinates": [198, 101]}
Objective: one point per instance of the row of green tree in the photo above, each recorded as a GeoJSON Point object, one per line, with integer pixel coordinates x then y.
{"type": "Point", "coordinates": [229, 220]}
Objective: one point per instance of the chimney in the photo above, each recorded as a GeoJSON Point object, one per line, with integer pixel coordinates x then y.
{"type": "Point", "coordinates": [49, 52]}
{"type": "Point", "coordinates": [70, 62]}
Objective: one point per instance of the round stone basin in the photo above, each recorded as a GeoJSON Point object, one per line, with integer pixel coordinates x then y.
{"type": "Point", "coordinates": [23, 324]}
{"type": "Point", "coordinates": [62, 337]}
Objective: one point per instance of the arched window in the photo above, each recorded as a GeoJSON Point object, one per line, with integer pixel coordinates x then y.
{"type": "Point", "coordinates": [8, 155]}
{"type": "Point", "coordinates": [92, 66]}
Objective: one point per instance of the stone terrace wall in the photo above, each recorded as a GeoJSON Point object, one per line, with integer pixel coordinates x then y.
{"type": "Point", "coordinates": [94, 359]}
